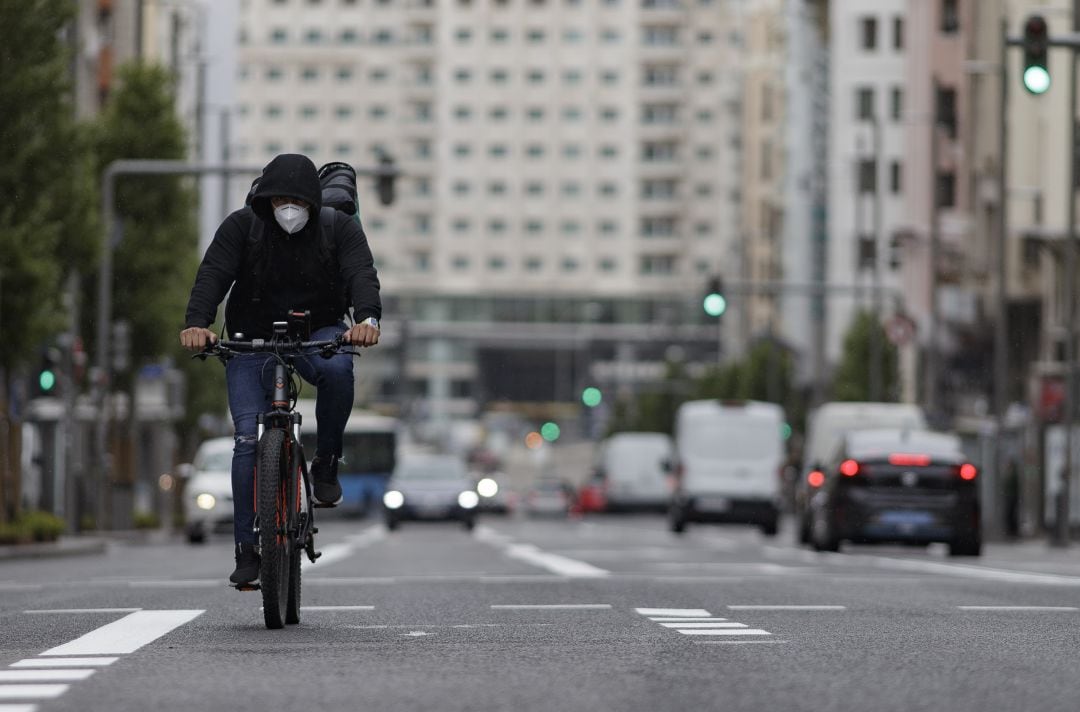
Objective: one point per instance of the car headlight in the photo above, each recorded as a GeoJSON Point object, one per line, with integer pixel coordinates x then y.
{"type": "Point", "coordinates": [468, 499]}
{"type": "Point", "coordinates": [487, 487]}
{"type": "Point", "coordinates": [205, 500]}
{"type": "Point", "coordinates": [393, 499]}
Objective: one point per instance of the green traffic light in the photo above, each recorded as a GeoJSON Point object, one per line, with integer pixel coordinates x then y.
{"type": "Point", "coordinates": [1037, 79]}
{"type": "Point", "coordinates": [785, 431]}
{"type": "Point", "coordinates": [591, 397]}
{"type": "Point", "coordinates": [715, 304]}
{"type": "Point", "coordinates": [46, 380]}
{"type": "Point", "coordinates": [550, 432]}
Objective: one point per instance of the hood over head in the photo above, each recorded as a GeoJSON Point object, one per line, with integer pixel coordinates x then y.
{"type": "Point", "coordinates": [290, 175]}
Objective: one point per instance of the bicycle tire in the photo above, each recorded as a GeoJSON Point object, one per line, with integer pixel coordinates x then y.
{"type": "Point", "coordinates": [296, 554]}
{"type": "Point", "coordinates": [271, 481]}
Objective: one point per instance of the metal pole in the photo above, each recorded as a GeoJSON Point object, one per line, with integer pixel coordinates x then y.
{"type": "Point", "coordinates": [1061, 528]}
{"type": "Point", "coordinates": [101, 350]}
{"type": "Point", "coordinates": [225, 163]}
{"type": "Point", "coordinates": [875, 295]}
{"type": "Point", "coordinates": [931, 386]}
{"type": "Point", "coordinates": [1001, 328]}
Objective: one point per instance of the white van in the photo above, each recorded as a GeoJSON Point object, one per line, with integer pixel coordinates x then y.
{"type": "Point", "coordinates": [633, 468]}
{"type": "Point", "coordinates": [825, 429]}
{"type": "Point", "coordinates": [729, 456]}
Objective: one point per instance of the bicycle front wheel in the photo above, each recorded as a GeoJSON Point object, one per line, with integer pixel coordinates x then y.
{"type": "Point", "coordinates": [274, 495]}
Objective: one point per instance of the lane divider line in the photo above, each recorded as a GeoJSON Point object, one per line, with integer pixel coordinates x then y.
{"type": "Point", "coordinates": [552, 606]}
{"type": "Point", "coordinates": [43, 611]}
{"type": "Point", "coordinates": [531, 554]}
{"type": "Point", "coordinates": [126, 635]}
{"type": "Point", "coordinates": [786, 608]}
{"type": "Point", "coordinates": [683, 612]}
{"type": "Point", "coordinates": [333, 553]}
{"type": "Point", "coordinates": [1044, 609]}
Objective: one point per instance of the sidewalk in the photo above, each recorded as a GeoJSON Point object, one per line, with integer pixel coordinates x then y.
{"type": "Point", "coordinates": [64, 546]}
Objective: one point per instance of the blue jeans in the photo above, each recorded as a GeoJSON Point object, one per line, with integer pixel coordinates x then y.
{"type": "Point", "coordinates": [250, 383]}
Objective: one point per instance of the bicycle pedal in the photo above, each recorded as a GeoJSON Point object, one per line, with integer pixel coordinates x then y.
{"type": "Point", "coordinates": [255, 586]}
{"type": "Point", "coordinates": [318, 554]}
{"type": "Point", "coordinates": [322, 505]}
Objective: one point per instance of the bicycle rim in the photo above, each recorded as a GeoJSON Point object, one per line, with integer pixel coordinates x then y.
{"type": "Point", "coordinates": [273, 526]}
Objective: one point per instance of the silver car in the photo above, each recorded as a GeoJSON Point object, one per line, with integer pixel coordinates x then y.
{"type": "Point", "coordinates": [208, 503]}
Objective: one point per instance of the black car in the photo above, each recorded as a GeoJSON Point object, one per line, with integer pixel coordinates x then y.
{"type": "Point", "coordinates": [900, 486]}
{"type": "Point", "coordinates": [432, 488]}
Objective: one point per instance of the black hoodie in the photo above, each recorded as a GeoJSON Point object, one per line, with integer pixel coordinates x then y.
{"type": "Point", "coordinates": [292, 275]}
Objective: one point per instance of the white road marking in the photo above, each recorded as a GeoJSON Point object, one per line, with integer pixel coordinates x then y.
{"type": "Point", "coordinates": [44, 675]}
{"type": "Point", "coordinates": [553, 562]}
{"type": "Point", "coordinates": [34, 611]}
{"type": "Point", "coordinates": [552, 606]}
{"type": "Point", "coordinates": [666, 619]}
{"type": "Point", "coordinates": [977, 572]}
{"type": "Point", "coordinates": [337, 608]}
{"type": "Point", "coordinates": [126, 635]}
{"type": "Point", "coordinates": [786, 608]}
{"type": "Point", "coordinates": [32, 692]}
{"type": "Point", "coordinates": [1057, 609]}
{"type": "Point", "coordinates": [741, 642]}
{"type": "Point", "coordinates": [353, 581]}
{"type": "Point", "coordinates": [63, 662]}
{"type": "Point", "coordinates": [415, 634]}
{"type": "Point", "coordinates": [18, 708]}
{"type": "Point", "coordinates": [710, 624]}
{"type": "Point", "coordinates": [333, 553]}
{"type": "Point", "coordinates": [727, 631]}
{"type": "Point", "coordinates": [683, 612]}
{"type": "Point", "coordinates": [179, 583]}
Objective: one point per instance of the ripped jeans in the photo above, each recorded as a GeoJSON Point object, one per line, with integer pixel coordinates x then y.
{"type": "Point", "coordinates": [250, 384]}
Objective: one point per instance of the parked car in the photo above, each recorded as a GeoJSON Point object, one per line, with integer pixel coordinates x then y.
{"type": "Point", "coordinates": [548, 497]}
{"type": "Point", "coordinates": [633, 467]}
{"type": "Point", "coordinates": [729, 457]}
{"type": "Point", "coordinates": [898, 485]}
{"type": "Point", "coordinates": [427, 487]}
{"type": "Point", "coordinates": [824, 430]}
{"type": "Point", "coordinates": [208, 504]}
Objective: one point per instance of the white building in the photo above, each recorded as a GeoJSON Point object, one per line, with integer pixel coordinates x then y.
{"type": "Point", "coordinates": [866, 80]}
{"type": "Point", "coordinates": [555, 152]}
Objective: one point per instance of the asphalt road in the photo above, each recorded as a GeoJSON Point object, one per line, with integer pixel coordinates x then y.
{"type": "Point", "coordinates": [602, 614]}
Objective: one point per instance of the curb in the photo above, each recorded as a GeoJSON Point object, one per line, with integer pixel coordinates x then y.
{"type": "Point", "coordinates": [75, 546]}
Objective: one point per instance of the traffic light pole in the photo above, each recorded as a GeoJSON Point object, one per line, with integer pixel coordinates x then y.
{"type": "Point", "coordinates": [148, 167]}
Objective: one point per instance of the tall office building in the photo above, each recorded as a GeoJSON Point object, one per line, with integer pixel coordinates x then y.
{"type": "Point", "coordinates": [572, 170]}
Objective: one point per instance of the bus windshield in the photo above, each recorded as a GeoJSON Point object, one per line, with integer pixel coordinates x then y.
{"type": "Point", "coordinates": [361, 453]}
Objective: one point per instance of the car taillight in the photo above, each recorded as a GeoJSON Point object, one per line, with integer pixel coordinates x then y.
{"type": "Point", "coordinates": [909, 459]}
{"type": "Point", "coordinates": [967, 471]}
{"type": "Point", "coordinates": [816, 478]}
{"type": "Point", "coordinates": [849, 468]}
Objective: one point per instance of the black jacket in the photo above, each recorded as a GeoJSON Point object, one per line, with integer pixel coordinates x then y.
{"type": "Point", "coordinates": [285, 271]}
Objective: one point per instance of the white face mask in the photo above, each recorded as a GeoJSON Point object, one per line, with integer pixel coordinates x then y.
{"type": "Point", "coordinates": [291, 217]}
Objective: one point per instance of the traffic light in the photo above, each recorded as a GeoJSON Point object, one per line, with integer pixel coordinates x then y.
{"type": "Point", "coordinates": [384, 182]}
{"type": "Point", "coordinates": [591, 396]}
{"type": "Point", "coordinates": [47, 374]}
{"type": "Point", "coordinates": [550, 431]}
{"type": "Point", "coordinates": [1036, 46]}
{"type": "Point", "coordinates": [715, 304]}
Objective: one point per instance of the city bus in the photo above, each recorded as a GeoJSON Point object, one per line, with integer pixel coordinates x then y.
{"type": "Point", "coordinates": [367, 458]}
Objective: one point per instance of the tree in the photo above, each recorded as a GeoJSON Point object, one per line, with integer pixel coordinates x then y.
{"type": "Point", "coordinates": [852, 378]}
{"type": "Point", "coordinates": [46, 213]}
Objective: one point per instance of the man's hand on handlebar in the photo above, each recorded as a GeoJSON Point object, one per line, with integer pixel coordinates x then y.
{"type": "Point", "coordinates": [196, 338]}
{"type": "Point", "coordinates": [362, 335]}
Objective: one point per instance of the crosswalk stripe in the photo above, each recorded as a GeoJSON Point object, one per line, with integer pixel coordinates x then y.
{"type": "Point", "coordinates": [727, 631]}
{"type": "Point", "coordinates": [691, 626]}
{"type": "Point", "coordinates": [18, 708]}
{"type": "Point", "coordinates": [126, 635]}
{"type": "Point", "coordinates": [665, 619]}
{"type": "Point", "coordinates": [683, 612]}
{"type": "Point", "coordinates": [44, 675]}
{"type": "Point", "coordinates": [32, 692]}
{"type": "Point", "coordinates": [63, 662]}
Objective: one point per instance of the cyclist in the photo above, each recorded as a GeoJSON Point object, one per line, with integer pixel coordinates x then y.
{"type": "Point", "coordinates": [273, 257]}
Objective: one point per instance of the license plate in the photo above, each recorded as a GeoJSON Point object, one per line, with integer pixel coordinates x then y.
{"type": "Point", "coordinates": [714, 504]}
{"type": "Point", "coordinates": [906, 518]}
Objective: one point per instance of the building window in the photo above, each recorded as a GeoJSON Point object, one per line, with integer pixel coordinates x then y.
{"type": "Point", "coordinates": [313, 36]}
{"type": "Point", "coordinates": [498, 113]}
{"type": "Point", "coordinates": [421, 261]}
{"type": "Point", "coordinates": [898, 33]}
{"type": "Point", "coordinates": [422, 149]}
{"type": "Point", "coordinates": [274, 74]}
{"type": "Point", "coordinates": [534, 150]}
{"type": "Point", "coordinates": [572, 35]}
{"type": "Point", "coordinates": [344, 74]}
{"type": "Point", "coordinates": [497, 187]}
{"type": "Point", "coordinates": [349, 36]}
{"type": "Point", "coordinates": [663, 226]}
{"type": "Point", "coordinates": [569, 264]}
{"type": "Point", "coordinates": [946, 190]}
{"type": "Point", "coordinates": [609, 151]}
{"type": "Point", "coordinates": [460, 225]}
{"type": "Point", "coordinates": [460, 263]}
{"type": "Point", "coordinates": [895, 177]}
{"type": "Point", "coordinates": [496, 226]}
{"type": "Point", "coordinates": [535, 113]}
{"type": "Point", "coordinates": [606, 264]}
{"type": "Point", "coordinates": [609, 190]}
{"type": "Point", "coordinates": [868, 34]}
{"type": "Point", "coordinates": [950, 17]}
{"type": "Point", "coordinates": [499, 76]}
{"type": "Point", "coordinates": [766, 160]}
{"type": "Point", "coordinates": [377, 112]}
{"type": "Point", "coordinates": [462, 150]}
{"type": "Point", "coordinates": [896, 108]}
{"type": "Point", "coordinates": [534, 188]}
{"type": "Point", "coordinates": [533, 264]}
{"type": "Point", "coordinates": [384, 37]}
{"type": "Point", "coordinates": [462, 76]}
{"type": "Point", "coordinates": [461, 187]}
{"type": "Point", "coordinates": [570, 189]}
{"type": "Point", "coordinates": [864, 103]}
{"type": "Point", "coordinates": [534, 226]}
{"type": "Point", "coordinates": [657, 264]}
{"type": "Point", "coordinates": [309, 74]}
{"type": "Point", "coordinates": [422, 224]}
{"type": "Point", "coordinates": [867, 177]}
{"type": "Point", "coordinates": [609, 77]}
{"type": "Point", "coordinates": [273, 111]}
{"type": "Point", "coordinates": [496, 264]}
{"type": "Point", "coordinates": [609, 35]}
{"type": "Point", "coordinates": [766, 102]}
{"type": "Point", "coordinates": [571, 113]}
{"type": "Point", "coordinates": [500, 35]}
{"type": "Point", "coordinates": [535, 35]}
{"type": "Point", "coordinates": [498, 150]}
{"type": "Point", "coordinates": [572, 76]}
{"type": "Point", "coordinates": [462, 113]}
{"type": "Point", "coordinates": [343, 112]}
{"type": "Point", "coordinates": [609, 114]}
{"type": "Point", "coordinates": [279, 36]}
{"type": "Point", "coordinates": [463, 35]}
{"type": "Point", "coordinates": [608, 227]}
{"type": "Point", "coordinates": [946, 110]}
{"type": "Point", "coordinates": [535, 76]}
{"type": "Point", "coordinates": [570, 228]}
{"type": "Point", "coordinates": [571, 150]}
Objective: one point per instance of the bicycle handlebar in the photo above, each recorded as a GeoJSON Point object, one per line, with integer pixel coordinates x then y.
{"type": "Point", "coordinates": [225, 349]}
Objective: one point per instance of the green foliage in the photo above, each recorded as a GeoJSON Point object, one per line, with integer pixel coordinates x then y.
{"type": "Point", "coordinates": [146, 520]}
{"type": "Point", "coordinates": [30, 527]}
{"type": "Point", "coordinates": [156, 259]}
{"type": "Point", "coordinates": [47, 215]}
{"type": "Point", "coordinates": [852, 378]}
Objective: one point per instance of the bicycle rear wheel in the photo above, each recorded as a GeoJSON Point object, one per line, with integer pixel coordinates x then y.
{"type": "Point", "coordinates": [274, 494]}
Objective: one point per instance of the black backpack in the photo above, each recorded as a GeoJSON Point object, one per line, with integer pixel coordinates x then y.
{"type": "Point", "coordinates": [339, 194]}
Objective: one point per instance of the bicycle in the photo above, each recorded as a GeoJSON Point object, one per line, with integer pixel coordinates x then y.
{"type": "Point", "coordinates": [284, 506]}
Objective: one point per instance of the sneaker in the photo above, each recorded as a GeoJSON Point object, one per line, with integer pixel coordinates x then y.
{"type": "Point", "coordinates": [327, 487]}
{"type": "Point", "coordinates": [247, 565]}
